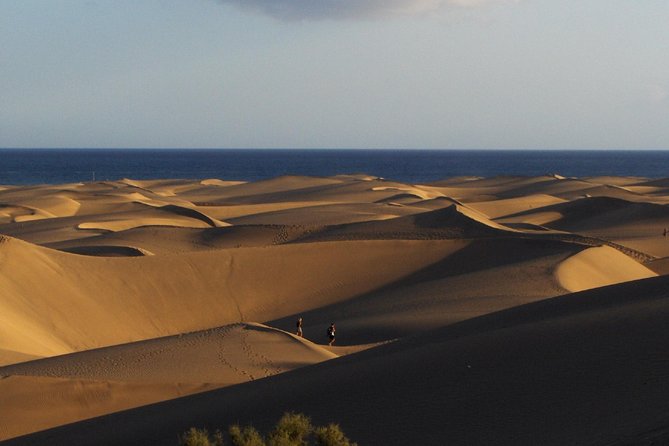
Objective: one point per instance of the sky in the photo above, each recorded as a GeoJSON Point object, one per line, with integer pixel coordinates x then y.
{"type": "Point", "coordinates": [425, 74]}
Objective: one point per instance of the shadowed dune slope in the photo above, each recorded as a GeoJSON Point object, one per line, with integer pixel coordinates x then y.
{"type": "Point", "coordinates": [484, 276]}
{"type": "Point", "coordinates": [454, 221]}
{"type": "Point", "coordinates": [504, 188]}
{"type": "Point", "coordinates": [660, 266]}
{"type": "Point", "coordinates": [331, 214]}
{"type": "Point", "coordinates": [153, 239]}
{"type": "Point", "coordinates": [636, 225]}
{"type": "Point", "coordinates": [333, 190]}
{"type": "Point", "coordinates": [55, 302]}
{"type": "Point", "coordinates": [499, 208]}
{"type": "Point", "coordinates": [581, 369]}
{"type": "Point", "coordinates": [599, 212]}
{"type": "Point", "coordinates": [107, 250]}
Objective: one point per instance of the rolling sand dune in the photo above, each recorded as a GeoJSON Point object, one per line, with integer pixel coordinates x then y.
{"type": "Point", "coordinates": [586, 368]}
{"type": "Point", "coordinates": [489, 189]}
{"type": "Point", "coordinates": [332, 214]}
{"type": "Point", "coordinates": [499, 208]}
{"type": "Point", "coordinates": [660, 183]}
{"type": "Point", "coordinates": [93, 302]}
{"type": "Point", "coordinates": [507, 310]}
{"type": "Point", "coordinates": [636, 225]}
{"type": "Point", "coordinates": [249, 193]}
{"type": "Point", "coordinates": [600, 212]}
{"type": "Point", "coordinates": [481, 277]}
{"type": "Point", "coordinates": [333, 190]}
{"type": "Point", "coordinates": [616, 181]}
{"type": "Point", "coordinates": [129, 375]}
{"type": "Point", "coordinates": [452, 222]}
{"type": "Point", "coordinates": [597, 267]}
{"type": "Point", "coordinates": [152, 238]}
{"type": "Point", "coordinates": [225, 355]}
{"type": "Point", "coordinates": [516, 187]}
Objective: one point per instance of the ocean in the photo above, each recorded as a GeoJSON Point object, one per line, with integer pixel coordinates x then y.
{"type": "Point", "coordinates": [57, 166]}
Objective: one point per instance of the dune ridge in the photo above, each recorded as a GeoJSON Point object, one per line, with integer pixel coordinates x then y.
{"type": "Point", "coordinates": [140, 301]}
{"type": "Point", "coordinates": [471, 310]}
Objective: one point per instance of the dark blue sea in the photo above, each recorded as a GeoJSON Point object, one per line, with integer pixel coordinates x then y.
{"type": "Point", "coordinates": [55, 166]}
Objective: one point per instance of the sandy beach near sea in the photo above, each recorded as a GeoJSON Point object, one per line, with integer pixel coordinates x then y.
{"type": "Point", "coordinates": [506, 310]}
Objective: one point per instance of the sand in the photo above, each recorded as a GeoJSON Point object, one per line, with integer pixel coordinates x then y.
{"type": "Point", "coordinates": [507, 310]}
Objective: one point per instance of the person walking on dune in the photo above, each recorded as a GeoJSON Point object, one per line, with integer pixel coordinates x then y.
{"type": "Point", "coordinates": [299, 327]}
{"type": "Point", "coordinates": [331, 333]}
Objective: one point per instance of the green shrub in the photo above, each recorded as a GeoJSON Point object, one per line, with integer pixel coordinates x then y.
{"type": "Point", "coordinates": [247, 436]}
{"type": "Point", "coordinates": [200, 437]}
{"type": "Point", "coordinates": [331, 435]}
{"type": "Point", "coordinates": [293, 429]}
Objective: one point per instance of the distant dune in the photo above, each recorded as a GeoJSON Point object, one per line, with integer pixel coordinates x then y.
{"type": "Point", "coordinates": [507, 310]}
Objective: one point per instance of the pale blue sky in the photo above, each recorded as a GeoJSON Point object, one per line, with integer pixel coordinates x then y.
{"type": "Point", "coordinates": [335, 73]}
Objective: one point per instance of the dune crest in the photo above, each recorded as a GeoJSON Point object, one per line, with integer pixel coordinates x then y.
{"type": "Point", "coordinates": [130, 375]}
{"type": "Point", "coordinates": [598, 267]}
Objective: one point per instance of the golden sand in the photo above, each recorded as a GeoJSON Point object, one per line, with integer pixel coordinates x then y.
{"type": "Point", "coordinates": [509, 310]}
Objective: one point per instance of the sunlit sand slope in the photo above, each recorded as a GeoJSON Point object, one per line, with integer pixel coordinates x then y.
{"type": "Point", "coordinates": [96, 382]}
{"type": "Point", "coordinates": [55, 303]}
{"type": "Point", "coordinates": [597, 267]}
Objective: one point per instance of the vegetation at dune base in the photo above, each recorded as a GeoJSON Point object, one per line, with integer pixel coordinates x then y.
{"type": "Point", "coordinates": [293, 429]}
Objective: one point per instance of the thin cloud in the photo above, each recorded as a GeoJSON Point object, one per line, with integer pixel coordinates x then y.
{"type": "Point", "coordinates": [350, 9]}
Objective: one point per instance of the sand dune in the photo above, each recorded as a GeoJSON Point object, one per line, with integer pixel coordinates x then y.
{"type": "Point", "coordinates": [507, 310]}
{"type": "Point", "coordinates": [636, 225]}
{"type": "Point", "coordinates": [660, 266]}
{"type": "Point", "coordinates": [585, 368]}
{"type": "Point", "coordinates": [41, 403]}
{"type": "Point", "coordinates": [597, 267]}
{"type": "Point", "coordinates": [617, 181]}
{"type": "Point", "coordinates": [36, 209]}
{"type": "Point", "coordinates": [452, 222]}
{"type": "Point", "coordinates": [601, 212]}
{"type": "Point", "coordinates": [12, 357]}
{"type": "Point", "coordinates": [95, 301]}
{"type": "Point", "coordinates": [330, 214]}
{"type": "Point", "coordinates": [487, 189]}
{"type": "Point", "coordinates": [123, 225]}
{"type": "Point", "coordinates": [221, 183]}
{"type": "Point", "coordinates": [152, 238]}
{"type": "Point", "coordinates": [260, 191]}
{"type": "Point", "coordinates": [499, 208]}
{"type": "Point", "coordinates": [176, 216]}
{"type": "Point", "coordinates": [107, 380]}
{"type": "Point", "coordinates": [333, 190]}
{"type": "Point", "coordinates": [481, 277]}
{"type": "Point", "coordinates": [223, 356]}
